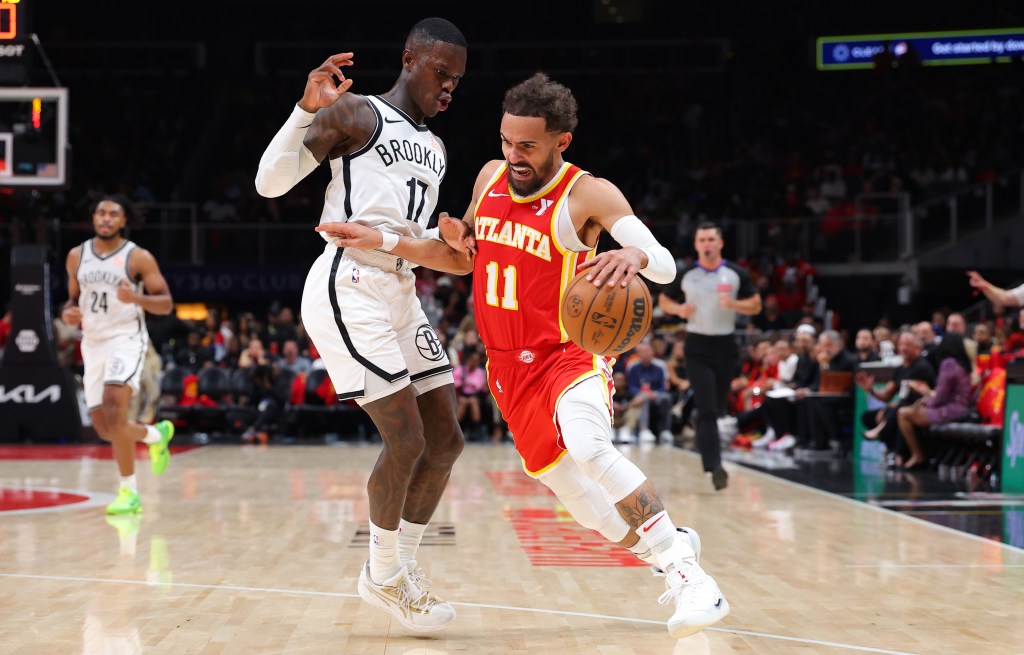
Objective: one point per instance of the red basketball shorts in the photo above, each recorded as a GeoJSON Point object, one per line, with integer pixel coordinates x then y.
{"type": "Point", "coordinates": [527, 385]}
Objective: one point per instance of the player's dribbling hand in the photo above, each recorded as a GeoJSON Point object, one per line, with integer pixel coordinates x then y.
{"type": "Point", "coordinates": [321, 88]}
{"type": "Point", "coordinates": [352, 235]}
{"type": "Point", "coordinates": [457, 234]}
{"type": "Point", "coordinates": [614, 266]}
{"type": "Point", "coordinates": [125, 293]}
{"type": "Point", "coordinates": [72, 315]}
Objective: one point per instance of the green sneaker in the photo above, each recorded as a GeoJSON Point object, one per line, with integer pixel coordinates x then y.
{"type": "Point", "coordinates": [159, 455]}
{"type": "Point", "coordinates": [127, 502]}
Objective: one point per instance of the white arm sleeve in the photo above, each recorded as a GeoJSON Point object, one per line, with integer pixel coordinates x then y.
{"type": "Point", "coordinates": [661, 266]}
{"type": "Point", "coordinates": [286, 160]}
{"type": "Point", "coordinates": [432, 233]}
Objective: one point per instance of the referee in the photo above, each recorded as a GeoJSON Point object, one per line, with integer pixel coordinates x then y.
{"type": "Point", "coordinates": [712, 291]}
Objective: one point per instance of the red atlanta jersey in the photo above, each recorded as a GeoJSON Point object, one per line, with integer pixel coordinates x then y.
{"type": "Point", "coordinates": [522, 268]}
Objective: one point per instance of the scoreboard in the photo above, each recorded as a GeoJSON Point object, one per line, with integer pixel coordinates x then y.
{"type": "Point", "coordinates": [15, 41]}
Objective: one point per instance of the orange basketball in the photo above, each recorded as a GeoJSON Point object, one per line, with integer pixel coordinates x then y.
{"type": "Point", "coordinates": [606, 320]}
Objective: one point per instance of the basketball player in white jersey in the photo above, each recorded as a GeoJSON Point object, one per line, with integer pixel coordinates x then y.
{"type": "Point", "coordinates": [106, 278]}
{"type": "Point", "coordinates": [360, 307]}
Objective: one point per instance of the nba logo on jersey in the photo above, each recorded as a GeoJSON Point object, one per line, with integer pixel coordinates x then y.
{"type": "Point", "coordinates": [355, 275]}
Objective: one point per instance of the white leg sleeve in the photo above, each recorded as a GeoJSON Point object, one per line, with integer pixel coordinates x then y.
{"type": "Point", "coordinates": [286, 160]}
{"type": "Point", "coordinates": [588, 503]}
{"type": "Point", "coordinates": [586, 428]}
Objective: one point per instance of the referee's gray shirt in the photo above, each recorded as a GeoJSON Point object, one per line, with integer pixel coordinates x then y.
{"type": "Point", "coordinates": [701, 287]}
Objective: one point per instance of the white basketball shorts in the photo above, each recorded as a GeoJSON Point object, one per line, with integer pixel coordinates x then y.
{"type": "Point", "coordinates": [114, 360]}
{"type": "Point", "coordinates": [369, 328]}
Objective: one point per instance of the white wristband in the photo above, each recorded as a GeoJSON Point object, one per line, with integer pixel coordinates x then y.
{"type": "Point", "coordinates": [389, 241]}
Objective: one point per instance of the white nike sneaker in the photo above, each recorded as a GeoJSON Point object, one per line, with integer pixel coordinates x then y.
{"type": "Point", "coordinates": [407, 597]}
{"type": "Point", "coordinates": [697, 599]}
{"type": "Point", "coordinates": [683, 536]}
{"type": "Point", "coordinates": [646, 436]}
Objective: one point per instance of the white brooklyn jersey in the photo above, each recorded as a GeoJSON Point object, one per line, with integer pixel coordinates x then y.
{"type": "Point", "coordinates": [392, 182]}
{"type": "Point", "coordinates": [103, 315]}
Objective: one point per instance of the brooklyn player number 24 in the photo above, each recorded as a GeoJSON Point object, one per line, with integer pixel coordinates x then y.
{"type": "Point", "coordinates": [99, 301]}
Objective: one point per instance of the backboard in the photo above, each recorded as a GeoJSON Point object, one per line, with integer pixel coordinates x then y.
{"type": "Point", "coordinates": [33, 137]}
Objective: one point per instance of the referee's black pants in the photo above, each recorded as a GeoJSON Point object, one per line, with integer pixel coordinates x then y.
{"type": "Point", "coordinates": [710, 366]}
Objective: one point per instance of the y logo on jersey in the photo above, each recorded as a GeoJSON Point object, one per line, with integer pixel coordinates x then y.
{"type": "Point", "coordinates": [544, 204]}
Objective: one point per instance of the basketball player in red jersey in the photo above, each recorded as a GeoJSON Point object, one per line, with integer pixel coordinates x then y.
{"type": "Point", "coordinates": [534, 221]}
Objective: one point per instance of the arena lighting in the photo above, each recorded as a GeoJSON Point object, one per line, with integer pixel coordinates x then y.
{"type": "Point", "coordinates": [37, 112]}
{"type": "Point", "coordinates": [951, 48]}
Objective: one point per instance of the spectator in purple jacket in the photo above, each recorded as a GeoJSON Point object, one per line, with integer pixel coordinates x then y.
{"type": "Point", "coordinates": [947, 402]}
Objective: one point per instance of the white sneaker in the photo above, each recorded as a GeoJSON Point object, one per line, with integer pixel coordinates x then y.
{"type": "Point", "coordinates": [407, 597]}
{"type": "Point", "coordinates": [697, 599]}
{"type": "Point", "coordinates": [623, 435]}
{"type": "Point", "coordinates": [683, 536]}
{"type": "Point", "coordinates": [782, 444]}
{"type": "Point", "coordinates": [646, 436]}
{"type": "Point", "coordinates": [764, 440]}
{"type": "Point", "coordinates": [666, 436]}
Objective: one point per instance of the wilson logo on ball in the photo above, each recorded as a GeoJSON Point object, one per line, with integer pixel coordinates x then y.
{"type": "Point", "coordinates": [636, 322]}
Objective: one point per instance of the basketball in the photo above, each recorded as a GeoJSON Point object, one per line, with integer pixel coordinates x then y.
{"type": "Point", "coordinates": [607, 320]}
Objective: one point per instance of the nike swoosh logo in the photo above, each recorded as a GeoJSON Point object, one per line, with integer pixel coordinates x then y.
{"type": "Point", "coordinates": [647, 528]}
{"type": "Point", "coordinates": [719, 603]}
{"type": "Point", "coordinates": [492, 194]}
{"type": "Point", "coordinates": [388, 120]}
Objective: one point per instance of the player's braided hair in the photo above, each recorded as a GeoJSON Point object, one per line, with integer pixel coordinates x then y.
{"type": "Point", "coordinates": [541, 97]}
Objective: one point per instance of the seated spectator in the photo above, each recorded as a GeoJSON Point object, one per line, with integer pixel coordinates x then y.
{"type": "Point", "coordinates": [925, 331]}
{"type": "Point", "coordinates": [678, 384]}
{"type": "Point", "coordinates": [770, 319]}
{"type": "Point", "coordinates": [949, 401]}
{"type": "Point", "coordinates": [648, 381]}
{"type": "Point", "coordinates": [897, 393]}
{"type": "Point", "coordinates": [193, 353]}
{"type": "Point", "coordinates": [253, 355]}
{"type": "Point", "coordinates": [281, 327]}
{"type": "Point", "coordinates": [292, 360]}
{"type": "Point", "coordinates": [269, 400]}
{"type": "Point", "coordinates": [825, 407]}
{"type": "Point", "coordinates": [865, 345]}
{"type": "Point", "coordinates": [471, 392]}
{"type": "Point", "coordinates": [626, 410]}
{"type": "Point", "coordinates": [781, 417]}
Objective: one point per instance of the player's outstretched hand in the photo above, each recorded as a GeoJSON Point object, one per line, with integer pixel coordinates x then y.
{"type": "Point", "coordinates": [614, 266]}
{"type": "Point", "coordinates": [976, 281]}
{"type": "Point", "coordinates": [352, 235]}
{"type": "Point", "coordinates": [457, 234]}
{"type": "Point", "coordinates": [322, 90]}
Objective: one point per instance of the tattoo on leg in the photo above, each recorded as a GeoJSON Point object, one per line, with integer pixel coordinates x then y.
{"type": "Point", "coordinates": [639, 506]}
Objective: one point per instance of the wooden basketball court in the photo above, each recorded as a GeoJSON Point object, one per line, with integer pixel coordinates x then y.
{"type": "Point", "coordinates": [247, 550]}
